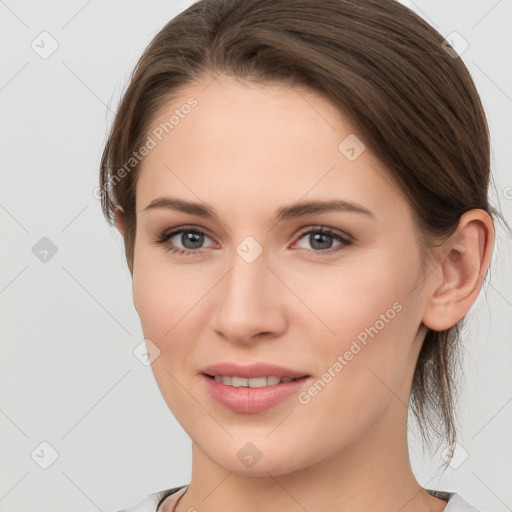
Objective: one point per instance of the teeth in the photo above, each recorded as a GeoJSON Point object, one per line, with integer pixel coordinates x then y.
{"type": "Point", "coordinates": [272, 381]}
{"type": "Point", "coordinates": [238, 382]}
{"type": "Point", "coordinates": [257, 382]}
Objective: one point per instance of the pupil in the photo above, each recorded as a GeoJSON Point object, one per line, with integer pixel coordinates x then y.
{"type": "Point", "coordinates": [316, 244]}
{"type": "Point", "coordinates": [195, 239]}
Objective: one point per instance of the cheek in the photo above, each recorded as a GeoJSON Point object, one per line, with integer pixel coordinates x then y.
{"type": "Point", "coordinates": [168, 302]}
{"type": "Point", "coordinates": [361, 374]}
{"type": "Point", "coordinates": [355, 302]}
{"type": "Point", "coordinates": [374, 317]}
{"type": "Point", "coordinates": [162, 294]}
{"type": "Point", "coordinates": [158, 297]}
{"type": "Point", "coordinates": [151, 300]}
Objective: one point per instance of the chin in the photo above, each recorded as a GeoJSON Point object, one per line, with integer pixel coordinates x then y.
{"type": "Point", "coordinates": [260, 457]}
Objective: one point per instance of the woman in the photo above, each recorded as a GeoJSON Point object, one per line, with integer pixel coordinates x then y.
{"type": "Point", "coordinates": [302, 188]}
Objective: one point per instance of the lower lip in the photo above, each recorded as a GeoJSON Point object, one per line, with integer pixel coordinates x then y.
{"type": "Point", "coordinates": [252, 400]}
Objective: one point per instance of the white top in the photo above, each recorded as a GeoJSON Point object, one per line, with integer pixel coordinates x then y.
{"type": "Point", "coordinates": [151, 501]}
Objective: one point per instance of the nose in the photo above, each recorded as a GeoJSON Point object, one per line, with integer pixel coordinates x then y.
{"type": "Point", "coordinates": [249, 302]}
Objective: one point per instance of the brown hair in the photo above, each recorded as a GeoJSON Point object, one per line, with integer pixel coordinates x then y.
{"type": "Point", "coordinates": [412, 100]}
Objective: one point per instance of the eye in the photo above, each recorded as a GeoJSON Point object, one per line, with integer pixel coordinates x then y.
{"type": "Point", "coordinates": [321, 240]}
{"type": "Point", "coordinates": [191, 240]}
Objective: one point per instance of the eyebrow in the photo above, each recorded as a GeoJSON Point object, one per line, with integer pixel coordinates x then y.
{"type": "Point", "coordinates": [283, 213]}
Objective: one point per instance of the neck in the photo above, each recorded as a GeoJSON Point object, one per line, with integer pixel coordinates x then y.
{"type": "Point", "coordinates": [373, 473]}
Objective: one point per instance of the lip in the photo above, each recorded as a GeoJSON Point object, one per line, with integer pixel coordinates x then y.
{"type": "Point", "coordinates": [252, 370]}
{"type": "Point", "coordinates": [252, 400]}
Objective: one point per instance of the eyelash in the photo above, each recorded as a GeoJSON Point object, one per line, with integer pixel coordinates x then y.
{"type": "Point", "coordinates": [165, 236]}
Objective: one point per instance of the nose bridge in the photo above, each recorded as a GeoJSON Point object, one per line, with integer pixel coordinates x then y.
{"type": "Point", "coordinates": [247, 282]}
{"type": "Point", "coordinates": [247, 300]}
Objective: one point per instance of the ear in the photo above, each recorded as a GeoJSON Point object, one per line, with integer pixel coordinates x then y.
{"type": "Point", "coordinates": [119, 220]}
{"type": "Point", "coordinates": [458, 280]}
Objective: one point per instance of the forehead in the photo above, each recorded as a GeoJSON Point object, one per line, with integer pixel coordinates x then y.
{"type": "Point", "coordinates": [250, 142]}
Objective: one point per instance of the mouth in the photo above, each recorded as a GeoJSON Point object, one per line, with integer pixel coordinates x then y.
{"type": "Point", "coordinates": [255, 394]}
{"type": "Point", "coordinates": [254, 382]}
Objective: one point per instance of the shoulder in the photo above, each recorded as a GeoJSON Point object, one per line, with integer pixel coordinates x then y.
{"type": "Point", "coordinates": [455, 501]}
{"type": "Point", "coordinates": [151, 502]}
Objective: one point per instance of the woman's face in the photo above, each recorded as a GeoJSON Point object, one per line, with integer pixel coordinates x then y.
{"type": "Point", "coordinates": [262, 285]}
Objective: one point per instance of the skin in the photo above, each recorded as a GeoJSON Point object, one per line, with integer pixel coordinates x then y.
{"type": "Point", "coordinates": [246, 150]}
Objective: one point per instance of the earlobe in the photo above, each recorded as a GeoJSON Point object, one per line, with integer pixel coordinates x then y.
{"type": "Point", "coordinates": [119, 220]}
{"type": "Point", "coordinates": [468, 253]}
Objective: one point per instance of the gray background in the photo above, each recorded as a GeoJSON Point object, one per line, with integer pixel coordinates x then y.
{"type": "Point", "coordinates": [68, 375]}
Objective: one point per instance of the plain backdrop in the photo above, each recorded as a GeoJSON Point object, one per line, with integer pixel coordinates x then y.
{"type": "Point", "coordinates": [83, 426]}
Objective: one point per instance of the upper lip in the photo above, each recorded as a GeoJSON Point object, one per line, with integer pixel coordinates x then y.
{"type": "Point", "coordinates": [251, 370]}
